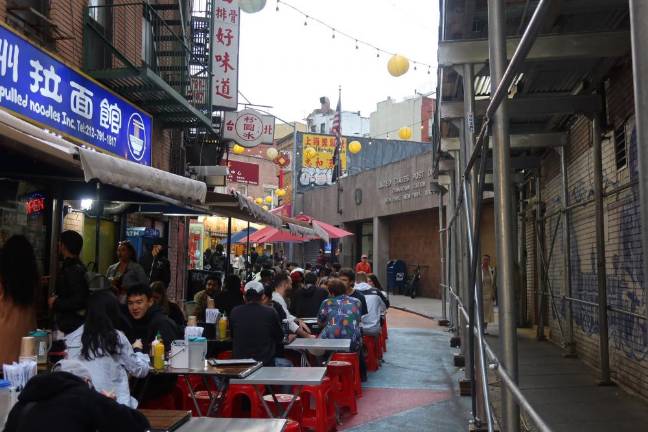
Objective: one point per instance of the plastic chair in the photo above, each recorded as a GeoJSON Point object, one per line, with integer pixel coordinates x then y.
{"type": "Point", "coordinates": [322, 418]}
{"type": "Point", "coordinates": [355, 361]}
{"type": "Point", "coordinates": [342, 386]}
{"type": "Point", "coordinates": [371, 349]}
{"type": "Point", "coordinates": [292, 426]}
{"type": "Point", "coordinates": [233, 407]}
{"type": "Point", "coordinates": [296, 412]}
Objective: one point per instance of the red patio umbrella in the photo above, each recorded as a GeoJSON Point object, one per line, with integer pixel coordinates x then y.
{"type": "Point", "coordinates": [273, 235]}
{"type": "Point", "coordinates": [323, 229]}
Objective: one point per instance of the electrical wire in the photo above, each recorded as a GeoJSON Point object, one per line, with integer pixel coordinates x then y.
{"type": "Point", "coordinates": [357, 41]}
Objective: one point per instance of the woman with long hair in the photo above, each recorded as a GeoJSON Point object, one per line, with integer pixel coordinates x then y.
{"type": "Point", "coordinates": [231, 295]}
{"type": "Point", "coordinates": [105, 351]}
{"type": "Point", "coordinates": [170, 309]}
{"type": "Point", "coordinates": [18, 287]}
{"type": "Point", "coordinates": [126, 272]}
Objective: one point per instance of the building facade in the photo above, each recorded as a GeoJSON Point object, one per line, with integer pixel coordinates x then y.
{"type": "Point", "coordinates": [415, 113]}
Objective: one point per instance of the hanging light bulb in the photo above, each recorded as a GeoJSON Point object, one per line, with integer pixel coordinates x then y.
{"type": "Point", "coordinates": [428, 70]}
{"type": "Point", "coordinates": [277, 9]}
{"type": "Point", "coordinates": [414, 65]}
{"type": "Point", "coordinates": [356, 43]}
{"type": "Point", "coordinates": [306, 20]}
{"type": "Point", "coordinates": [377, 53]}
{"type": "Point", "coordinates": [333, 35]}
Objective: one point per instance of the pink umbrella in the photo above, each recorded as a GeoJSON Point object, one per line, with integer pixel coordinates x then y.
{"type": "Point", "coordinates": [324, 230]}
{"type": "Point", "coordinates": [273, 235]}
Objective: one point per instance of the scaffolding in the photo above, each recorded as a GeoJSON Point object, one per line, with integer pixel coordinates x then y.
{"type": "Point", "coordinates": [464, 157]}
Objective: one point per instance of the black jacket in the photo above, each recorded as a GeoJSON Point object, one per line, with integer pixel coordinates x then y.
{"type": "Point", "coordinates": [256, 331]}
{"type": "Point", "coordinates": [60, 401]}
{"type": "Point", "coordinates": [154, 322]}
{"type": "Point", "coordinates": [307, 301]}
{"type": "Point", "coordinates": [72, 291]}
{"type": "Point", "coordinates": [160, 270]}
{"type": "Point", "coordinates": [363, 300]}
{"type": "Point", "coordinates": [228, 300]}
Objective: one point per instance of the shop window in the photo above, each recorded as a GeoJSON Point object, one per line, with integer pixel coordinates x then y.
{"type": "Point", "coordinates": [620, 147]}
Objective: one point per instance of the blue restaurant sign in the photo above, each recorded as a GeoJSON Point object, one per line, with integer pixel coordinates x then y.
{"type": "Point", "coordinates": [39, 88]}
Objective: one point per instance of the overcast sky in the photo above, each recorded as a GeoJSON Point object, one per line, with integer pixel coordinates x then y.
{"type": "Point", "coordinates": [288, 66]}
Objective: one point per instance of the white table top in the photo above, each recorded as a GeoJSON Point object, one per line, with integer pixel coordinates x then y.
{"type": "Point", "coordinates": [342, 345]}
{"type": "Point", "coordinates": [208, 424]}
{"type": "Point", "coordinates": [284, 376]}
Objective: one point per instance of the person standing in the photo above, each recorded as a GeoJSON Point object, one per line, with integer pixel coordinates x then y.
{"type": "Point", "coordinates": [69, 301]}
{"type": "Point", "coordinates": [126, 272]}
{"type": "Point", "coordinates": [19, 281]}
{"type": "Point", "coordinates": [363, 265]}
{"type": "Point", "coordinates": [322, 260]}
{"type": "Point", "coordinates": [488, 290]}
{"type": "Point", "coordinates": [256, 329]}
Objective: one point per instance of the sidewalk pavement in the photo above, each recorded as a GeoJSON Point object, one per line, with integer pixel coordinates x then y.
{"type": "Point", "coordinates": [427, 307]}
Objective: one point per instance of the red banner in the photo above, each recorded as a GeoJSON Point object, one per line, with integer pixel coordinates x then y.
{"type": "Point", "coordinates": [243, 172]}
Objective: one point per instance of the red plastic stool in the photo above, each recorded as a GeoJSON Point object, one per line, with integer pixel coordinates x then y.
{"type": "Point", "coordinates": [225, 355]}
{"type": "Point", "coordinates": [292, 426]}
{"type": "Point", "coordinates": [232, 405]}
{"type": "Point", "coordinates": [355, 361]}
{"type": "Point", "coordinates": [371, 349]}
{"type": "Point", "coordinates": [296, 412]}
{"type": "Point", "coordinates": [383, 325]}
{"type": "Point", "coordinates": [383, 339]}
{"type": "Point", "coordinates": [322, 418]}
{"type": "Point", "coordinates": [342, 387]}
{"type": "Point", "coordinates": [202, 397]}
{"type": "Point", "coordinates": [380, 347]}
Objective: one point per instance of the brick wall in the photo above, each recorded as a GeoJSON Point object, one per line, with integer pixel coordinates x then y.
{"type": "Point", "coordinates": [161, 150]}
{"type": "Point", "coordinates": [628, 335]}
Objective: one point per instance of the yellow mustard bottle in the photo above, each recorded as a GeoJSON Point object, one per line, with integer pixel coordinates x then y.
{"type": "Point", "coordinates": [222, 327]}
{"type": "Point", "coordinates": [158, 353]}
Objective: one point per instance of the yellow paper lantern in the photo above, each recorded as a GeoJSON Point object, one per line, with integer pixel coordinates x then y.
{"type": "Point", "coordinates": [355, 147]}
{"type": "Point", "coordinates": [265, 207]}
{"type": "Point", "coordinates": [268, 199]}
{"type": "Point", "coordinates": [398, 65]}
{"type": "Point", "coordinates": [238, 149]}
{"type": "Point", "coordinates": [281, 193]}
{"type": "Point", "coordinates": [272, 153]}
{"type": "Point", "coordinates": [258, 201]}
{"type": "Point", "coordinates": [310, 152]}
{"type": "Point", "coordinates": [405, 133]}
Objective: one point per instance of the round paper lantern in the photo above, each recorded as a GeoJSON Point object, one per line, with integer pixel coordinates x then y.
{"type": "Point", "coordinates": [310, 152]}
{"type": "Point", "coordinates": [265, 207]}
{"type": "Point", "coordinates": [258, 201]}
{"type": "Point", "coordinates": [238, 149]}
{"type": "Point", "coordinates": [252, 6]}
{"type": "Point", "coordinates": [272, 153]}
{"type": "Point", "coordinates": [355, 147]}
{"type": "Point", "coordinates": [398, 65]}
{"type": "Point", "coordinates": [268, 199]}
{"type": "Point", "coordinates": [405, 133]}
{"type": "Point", "coordinates": [281, 193]}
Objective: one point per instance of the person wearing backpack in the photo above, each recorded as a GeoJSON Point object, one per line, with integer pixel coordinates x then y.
{"type": "Point", "coordinates": [68, 302]}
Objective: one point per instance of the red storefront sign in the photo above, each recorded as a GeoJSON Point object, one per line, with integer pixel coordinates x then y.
{"type": "Point", "coordinates": [243, 172]}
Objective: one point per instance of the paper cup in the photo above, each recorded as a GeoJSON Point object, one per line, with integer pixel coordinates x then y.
{"type": "Point", "coordinates": [28, 347]}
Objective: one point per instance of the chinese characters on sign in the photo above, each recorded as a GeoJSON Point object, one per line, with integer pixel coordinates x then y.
{"type": "Point", "coordinates": [40, 88]}
{"type": "Point", "coordinates": [249, 128]}
{"type": "Point", "coordinates": [317, 169]}
{"type": "Point", "coordinates": [225, 51]}
{"type": "Point", "coordinates": [243, 172]}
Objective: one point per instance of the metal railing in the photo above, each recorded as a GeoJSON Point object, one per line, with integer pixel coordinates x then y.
{"type": "Point", "coordinates": [132, 35]}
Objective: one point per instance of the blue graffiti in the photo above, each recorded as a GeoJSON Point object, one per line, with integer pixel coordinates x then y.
{"type": "Point", "coordinates": [628, 334]}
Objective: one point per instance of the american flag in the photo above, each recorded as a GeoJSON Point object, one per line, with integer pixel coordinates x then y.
{"type": "Point", "coordinates": [336, 130]}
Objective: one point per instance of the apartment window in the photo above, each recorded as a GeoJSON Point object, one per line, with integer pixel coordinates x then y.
{"type": "Point", "coordinates": [97, 11]}
{"type": "Point", "coordinates": [620, 147]}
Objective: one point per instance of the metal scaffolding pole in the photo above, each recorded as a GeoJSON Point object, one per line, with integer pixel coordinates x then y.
{"type": "Point", "coordinates": [639, 37]}
{"type": "Point", "coordinates": [444, 282]}
{"type": "Point", "coordinates": [503, 207]}
{"type": "Point", "coordinates": [540, 235]}
{"type": "Point", "coordinates": [452, 267]}
{"type": "Point", "coordinates": [522, 313]}
{"type": "Point", "coordinates": [601, 275]}
{"type": "Point", "coordinates": [567, 269]}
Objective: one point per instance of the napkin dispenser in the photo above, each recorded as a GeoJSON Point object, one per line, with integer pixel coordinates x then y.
{"type": "Point", "coordinates": [179, 355]}
{"type": "Point", "coordinates": [197, 352]}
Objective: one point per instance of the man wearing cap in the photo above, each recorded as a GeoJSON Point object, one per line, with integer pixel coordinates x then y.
{"type": "Point", "coordinates": [363, 265]}
{"type": "Point", "coordinates": [66, 400]}
{"type": "Point", "coordinates": [256, 329]}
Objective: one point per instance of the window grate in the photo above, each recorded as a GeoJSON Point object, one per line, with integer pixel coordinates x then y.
{"type": "Point", "coordinates": [620, 147]}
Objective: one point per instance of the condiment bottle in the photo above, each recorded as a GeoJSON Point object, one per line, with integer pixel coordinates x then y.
{"type": "Point", "coordinates": [158, 352]}
{"type": "Point", "coordinates": [223, 323]}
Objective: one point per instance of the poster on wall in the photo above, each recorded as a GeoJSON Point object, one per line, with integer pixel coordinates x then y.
{"type": "Point", "coordinates": [315, 159]}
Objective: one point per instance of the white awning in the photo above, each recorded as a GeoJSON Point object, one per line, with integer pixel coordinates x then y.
{"type": "Point", "coordinates": [140, 178]}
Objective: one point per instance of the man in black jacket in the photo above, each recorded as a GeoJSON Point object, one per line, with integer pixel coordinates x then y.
{"type": "Point", "coordinates": [256, 329]}
{"type": "Point", "coordinates": [307, 301]}
{"type": "Point", "coordinates": [65, 400]}
{"type": "Point", "coordinates": [69, 301]}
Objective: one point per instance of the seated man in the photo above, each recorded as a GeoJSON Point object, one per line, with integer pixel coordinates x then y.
{"type": "Point", "coordinates": [375, 305]}
{"type": "Point", "coordinates": [256, 329]}
{"type": "Point", "coordinates": [308, 300]}
{"type": "Point", "coordinates": [212, 286]}
{"type": "Point", "coordinates": [147, 320]}
{"type": "Point", "coordinates": [65, 400]}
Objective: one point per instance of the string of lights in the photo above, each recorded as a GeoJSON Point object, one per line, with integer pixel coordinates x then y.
{"type": "Point", "coordinates": [358, 42]}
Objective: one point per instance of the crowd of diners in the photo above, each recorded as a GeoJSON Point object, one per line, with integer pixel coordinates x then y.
{"type": "Point", "coordinates": [107, 333]}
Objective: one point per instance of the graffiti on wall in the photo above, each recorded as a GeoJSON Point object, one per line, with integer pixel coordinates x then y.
{"type": "Point", "coordinates": [628, 334]}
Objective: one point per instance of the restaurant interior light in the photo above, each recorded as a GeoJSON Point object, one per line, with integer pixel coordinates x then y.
{"type": "Point", "coordinates": [86, 204]}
